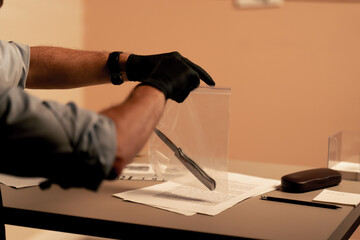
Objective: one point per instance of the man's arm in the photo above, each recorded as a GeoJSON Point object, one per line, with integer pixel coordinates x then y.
{"type": "Point", "coordinates": [135, 120]}
{"type": "Point", "coordinates": [72, 146]}
{"type": "Point", "coordinates": [162, 77]}
{"type": "Point", "coordinates": [61, 68]}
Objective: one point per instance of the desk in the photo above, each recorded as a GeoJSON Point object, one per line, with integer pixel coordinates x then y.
{"type": "Point", "coordinates": [99, 214]}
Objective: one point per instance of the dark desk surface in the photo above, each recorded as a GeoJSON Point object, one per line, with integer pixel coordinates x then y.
{"type": "Point", "coordinates": [101, 214]}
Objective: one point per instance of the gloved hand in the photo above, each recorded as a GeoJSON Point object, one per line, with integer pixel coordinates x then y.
{"type": "Point", "coordinates": [175, 78]}
{"type": "Point", "coordinates": [179, 75]}
{"type": "Point", "coordinates": [138, 67]}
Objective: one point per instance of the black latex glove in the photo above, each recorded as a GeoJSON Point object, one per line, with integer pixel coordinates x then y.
{"type": "Point", "coordinates": [175, 78]}
{"type": "Point", "coordinates": [139, 68]}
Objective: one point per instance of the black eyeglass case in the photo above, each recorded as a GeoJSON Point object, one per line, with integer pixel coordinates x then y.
{"type": "Point", "coordinates": [309, 180]}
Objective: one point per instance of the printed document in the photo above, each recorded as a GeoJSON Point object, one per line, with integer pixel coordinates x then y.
{"type": "Point", "coordinates": [188, 200]}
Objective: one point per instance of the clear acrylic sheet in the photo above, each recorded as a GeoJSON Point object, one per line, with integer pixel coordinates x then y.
{"type": "Point", "coordinates": [199, 126]}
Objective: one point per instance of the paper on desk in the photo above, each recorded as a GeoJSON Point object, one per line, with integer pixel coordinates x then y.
{"type": "Point", "coordinates": [347, 166]}
{"type": "Point", "coordinates": [338, 197]}
{"type": "Point", "coordinates": [20, 182]}
{"type": "Point", "coordinates": [187, 200]}
{"type": "Point", "coordinates": [139, 171]}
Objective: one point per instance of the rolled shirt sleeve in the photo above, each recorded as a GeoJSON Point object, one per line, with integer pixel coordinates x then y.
{"type": "Point", "coordinates": [14, 64]}
{"type": "Point", "coordinates": [70, 146]}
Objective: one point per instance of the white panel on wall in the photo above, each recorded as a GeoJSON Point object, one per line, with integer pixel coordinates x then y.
{"type": "Point", "coordinates": [258, 3]}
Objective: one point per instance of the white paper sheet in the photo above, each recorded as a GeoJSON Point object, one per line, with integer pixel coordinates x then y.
{"type": "Point", "coordinates": [139, 171]}
{"type": "Point", "coordinates": [20, 182]}
{"type": "Point", "coordinates": [179, 198]}
{"type": "Point", "coordinates": [338, 197]}
{"type": "Point", "coordinates": [347, 166]}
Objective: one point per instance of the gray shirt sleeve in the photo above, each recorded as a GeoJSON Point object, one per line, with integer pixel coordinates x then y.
{"type": "Point", "coordinates": [68, 145]}
{"type": "Point", "coordinates": [14, 64]}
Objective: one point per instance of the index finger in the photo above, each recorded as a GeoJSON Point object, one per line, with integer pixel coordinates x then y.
{"type": "Point", "coordinates": [202, 73]}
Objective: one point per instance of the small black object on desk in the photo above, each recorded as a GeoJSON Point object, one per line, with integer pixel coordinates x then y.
{"type": "Point", "coordinates": [300, 202]}
{"type": "Point", "coordinates": [309, 180]}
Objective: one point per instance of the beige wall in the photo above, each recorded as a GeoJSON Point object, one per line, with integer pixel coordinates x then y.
{"type": "Point", "coordinates": [294, 71]}
{"type": "Point", "coordinates": [45, 22]}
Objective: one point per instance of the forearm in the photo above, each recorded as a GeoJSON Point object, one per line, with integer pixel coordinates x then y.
{"type": "Point", "coordinates": [54, 67]}
{"type": "Point", "coordinates": [135, 120]}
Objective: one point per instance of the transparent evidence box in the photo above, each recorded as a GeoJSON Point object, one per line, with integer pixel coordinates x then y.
{"type": "Point", "coordinates": [344, 154]}
{"type": "Point", "coordinates": [200, 127]}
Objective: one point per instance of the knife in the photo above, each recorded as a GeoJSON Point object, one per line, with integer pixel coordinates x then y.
{"type": "Point", "coordinates": [195, 169]}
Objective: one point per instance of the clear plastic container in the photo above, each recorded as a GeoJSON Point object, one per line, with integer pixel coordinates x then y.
{"type": "Point", "coordinates": [200, 127]}
{"type": "Point", "coordinates": [344, 154]}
